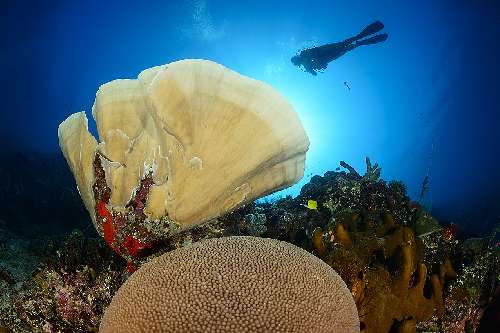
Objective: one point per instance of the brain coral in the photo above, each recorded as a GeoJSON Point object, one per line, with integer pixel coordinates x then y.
{"type": "Point", "coordinates": [233, 284]}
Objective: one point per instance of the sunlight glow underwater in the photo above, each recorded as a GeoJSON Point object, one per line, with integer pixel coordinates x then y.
{"type": "Point", "coordinates": [421, 103]}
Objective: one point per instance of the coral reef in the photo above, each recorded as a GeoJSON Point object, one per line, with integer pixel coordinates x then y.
{"type": "Point", "coordinates": [233, 284]}
{"type": "Point", "coordinates": [388, 276]}
{"type": "Point", "coordinates": [341, 192]}
{"type": "Point", "coordinates": [400, 264]}
{"type": "Point", "coordinates": [68, 292]}
{"type": "Point", "coordinates": [406, 272]}
{"type": "Point", "coordinates": [468, 295]}
{"type": "Point", "coordinates": [19, 257]}
{"type": "Point", "coordinates": [180, 145]}
{"type": "Point", "coordinates": [255, 224]}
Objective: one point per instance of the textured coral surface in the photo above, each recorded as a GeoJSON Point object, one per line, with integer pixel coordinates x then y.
{"type": "Point", "coordinates": [233, 284]}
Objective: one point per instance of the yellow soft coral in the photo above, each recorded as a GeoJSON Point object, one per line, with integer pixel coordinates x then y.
{"type": "Point", "coordinates": [390, 296]}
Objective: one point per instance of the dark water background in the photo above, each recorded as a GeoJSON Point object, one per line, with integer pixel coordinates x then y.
{"type": "Point", "coordinates": [424, 103]}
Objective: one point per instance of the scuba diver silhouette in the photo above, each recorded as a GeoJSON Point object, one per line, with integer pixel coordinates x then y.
{"type": "Point", "coordinates": [317, 58]}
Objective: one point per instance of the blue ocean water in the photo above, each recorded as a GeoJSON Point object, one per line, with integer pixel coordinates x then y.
{"type": "Point", "coordinates": [423, 103]}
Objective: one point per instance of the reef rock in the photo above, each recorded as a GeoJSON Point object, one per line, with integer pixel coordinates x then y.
{"type": "Point", "coordinates": [181, 144]}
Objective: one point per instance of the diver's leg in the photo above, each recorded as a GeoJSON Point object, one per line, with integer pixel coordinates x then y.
{"type": "Point", "coordinates": [350, 40]}
{"type": "Point", "coordinates": [370, 30]}
{"type": "Point", "coordinates": [372, 40]}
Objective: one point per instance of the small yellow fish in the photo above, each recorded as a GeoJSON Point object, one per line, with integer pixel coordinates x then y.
{"type": "Point", "coordinates": [312, 204]}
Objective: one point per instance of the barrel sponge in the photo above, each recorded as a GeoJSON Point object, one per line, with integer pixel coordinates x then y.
{"type": "Point", "coordinates": [210, 138]}
{"type": "Point", "coordinates": [233, 284]}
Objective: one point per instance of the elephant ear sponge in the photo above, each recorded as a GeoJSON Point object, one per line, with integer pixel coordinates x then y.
{"type": "Point", "coordinates": [233, 284]}
{"type": "Point", "coordinates": [207, 140]}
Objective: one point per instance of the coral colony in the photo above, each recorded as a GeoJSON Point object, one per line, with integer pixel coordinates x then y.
{"type": "Point", "coordinates": [283, 297]}
{"type": "Point", "coordinates": [171, 190]}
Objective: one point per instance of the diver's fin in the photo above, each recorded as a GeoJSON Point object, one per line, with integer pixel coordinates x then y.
{"type": "Point", "coordinates": [371, 29]}
{"type": "Point", "coordinates": [372, 40]}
